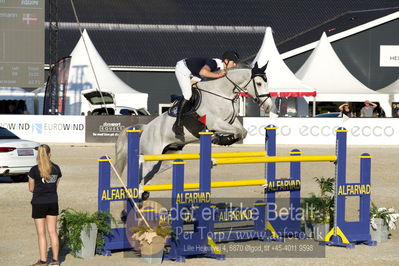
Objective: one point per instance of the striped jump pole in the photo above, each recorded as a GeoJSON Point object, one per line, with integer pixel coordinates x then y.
{"type": "Point", "coordinates": [196, 156]}
{"type": "Point", "coordinates": [219, 184]}
{"type": "Point", "coordinates": [275, 159]}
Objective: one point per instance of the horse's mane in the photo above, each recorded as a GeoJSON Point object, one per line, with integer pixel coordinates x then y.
{"type": "Point", "coordinates": [243, 65]}
{"type": "Point", "coordinates": [239, 67]}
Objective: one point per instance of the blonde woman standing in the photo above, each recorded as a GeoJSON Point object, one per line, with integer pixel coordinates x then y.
{"type": "Point", "coordinates": [43, 180]}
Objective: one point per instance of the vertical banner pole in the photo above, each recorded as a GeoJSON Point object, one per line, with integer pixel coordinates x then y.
{"type": "Point", "coordinates": [295, 195]}
{"type": "Point", "coordinates": [205, 226]}
{"type": "Point", "coordinates": [133, 163]}
{"type": "Point", "coordinates": [340, 177]}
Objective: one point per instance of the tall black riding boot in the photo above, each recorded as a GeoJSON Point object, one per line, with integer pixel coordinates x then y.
{"type": "Point", "coordinates": [178, 126]}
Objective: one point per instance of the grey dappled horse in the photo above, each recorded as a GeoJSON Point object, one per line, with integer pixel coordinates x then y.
{"type": "Point", "coordinates": [219, 102]}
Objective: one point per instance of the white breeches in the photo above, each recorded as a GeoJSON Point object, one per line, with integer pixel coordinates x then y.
{"type": "Point", "coordinates": [183, 75]}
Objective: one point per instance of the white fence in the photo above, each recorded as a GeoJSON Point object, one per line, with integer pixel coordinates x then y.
{"type": "Point", "coordinates": [362, 131]}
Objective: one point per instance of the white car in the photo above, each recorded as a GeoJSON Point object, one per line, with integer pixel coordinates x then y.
{"type": "Point", "coordinates": [17, 156]}
{"type": "Point", "coordinates": [103, 103]}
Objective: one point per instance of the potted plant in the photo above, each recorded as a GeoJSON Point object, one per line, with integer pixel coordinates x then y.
{"type": "Point", "coordinates": [382, 220]}
{"type": "Point", "coordinates": [152, 241]}
{"type": "Point", "coordinates": [319, 210]}
{"type": "Point", "coordinates": [83, 233]}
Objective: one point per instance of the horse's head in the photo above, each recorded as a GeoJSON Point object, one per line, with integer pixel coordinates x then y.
{"type": "Point", "coordinates": [258, 87]}
{"type": "Point", "coordinates": [245, 81]}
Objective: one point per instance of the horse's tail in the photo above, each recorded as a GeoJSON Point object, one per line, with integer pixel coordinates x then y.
{"type": "Point", "coordinates": [121, 148]}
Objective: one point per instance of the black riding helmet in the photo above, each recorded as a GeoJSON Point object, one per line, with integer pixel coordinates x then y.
{"type": "Point", "coordinates": [231, 56]}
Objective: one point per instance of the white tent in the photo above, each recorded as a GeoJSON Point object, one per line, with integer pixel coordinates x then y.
{"type": "Point", "coordinates": [393, 91]}
{"type": "Point", "coordinates": [282, 82]}
{"type": "Point", "coordinates": [15, 94]}
{"type": "Point", "coordinates": [324, 71]}
{"type": "Point", "coordinates": [83, 76]}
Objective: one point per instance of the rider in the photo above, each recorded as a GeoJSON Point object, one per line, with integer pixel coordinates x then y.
{"type": "Point", "coordinates": [197, 69]}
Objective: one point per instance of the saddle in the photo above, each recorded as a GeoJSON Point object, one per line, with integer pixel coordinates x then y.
{"type": "Point", "coordinates": [190, 107]}
{"type": "Point", "coordinates": [190, 117]}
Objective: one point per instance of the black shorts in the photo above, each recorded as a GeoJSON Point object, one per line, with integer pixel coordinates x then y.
{"type": "Point", "coordinates": [42, 210]}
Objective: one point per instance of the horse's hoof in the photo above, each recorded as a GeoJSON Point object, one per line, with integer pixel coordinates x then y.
{"type": "Point", "coordinates": [145, 195]}
{"type": "Point", "coordinates": [224, 139]}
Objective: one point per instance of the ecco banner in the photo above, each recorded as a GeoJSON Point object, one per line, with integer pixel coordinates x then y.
{"type": "Point", "coordinates": [45, 129]}
{"type": "Point", "coordinates": [361, 131]}
{"type": "Point", "coordinates": [107, 128]}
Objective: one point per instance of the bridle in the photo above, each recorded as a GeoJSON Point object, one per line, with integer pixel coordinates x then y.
{"type": "Point", "coordinates": [243, 92]}
{"type": "Point", "coordinates": [257, 98]}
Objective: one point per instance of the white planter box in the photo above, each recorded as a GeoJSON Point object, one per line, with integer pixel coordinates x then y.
{"type": "Point", "coordinates": [381, 233]}
{"type": "Point", "coordinates": [88, 249]}
{"type": "Point", "coordinates": [320, 231]}
{"type": "Point", "coordinates": [153, 254]}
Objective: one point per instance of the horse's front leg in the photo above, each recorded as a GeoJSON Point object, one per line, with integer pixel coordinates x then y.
{"type": "Point", "coordinates": [234, 131]}
{"type": "Point", "coordinates": [241, 132]}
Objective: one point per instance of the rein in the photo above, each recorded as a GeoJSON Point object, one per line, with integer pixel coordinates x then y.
{"type": "Point", "coordinates": [234, 116]}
